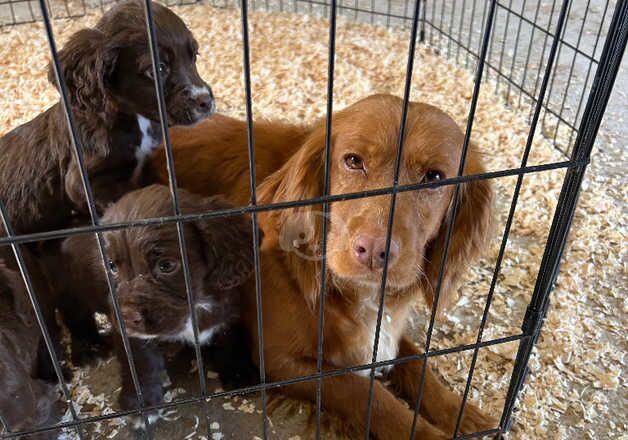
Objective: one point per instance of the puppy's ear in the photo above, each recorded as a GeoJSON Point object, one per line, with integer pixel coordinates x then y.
{"type": "Point", "coordinates": [227, 243]}
{"type": "Point", "coordinates": [87, 60]}
{"type": "Point", "coordinates": [299, 230]}
{"type": "Point", "coordinates": [470, 235]}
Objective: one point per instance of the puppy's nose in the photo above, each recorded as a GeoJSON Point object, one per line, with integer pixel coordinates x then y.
{"type": "Point", "coordinates": [204, 103]}
{"type": "Point", "coordinates": [370, 251]}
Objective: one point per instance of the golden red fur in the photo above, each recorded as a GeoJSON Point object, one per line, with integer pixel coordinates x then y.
{"type": "Point", "coordinates": [362, 157]}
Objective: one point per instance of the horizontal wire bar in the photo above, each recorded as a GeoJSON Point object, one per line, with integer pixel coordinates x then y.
{"type": "Point", "coordinates": [507, 78]}
{"type": "Point", "coordinates": [479, 434]}
{"type": "Point", "coordinates": [278, 384]}
{"type": "Point", "coordinates": [229, 212]}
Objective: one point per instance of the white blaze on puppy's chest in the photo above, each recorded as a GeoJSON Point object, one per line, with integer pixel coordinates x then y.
{"type": "Point", "coordinates": [150, 138]}
{"type": "Point", "coordinates": [187, 332]}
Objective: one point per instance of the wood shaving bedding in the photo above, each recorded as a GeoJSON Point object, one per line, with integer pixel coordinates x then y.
{"type": "Point", "coordinates": [576, 388]}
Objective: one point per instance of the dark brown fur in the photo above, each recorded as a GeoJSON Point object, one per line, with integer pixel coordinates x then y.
{"type": "Point", "coordinates": [154, 304]}
{"type": "Point", "coordinates": [27, 398]}
{"type": "Point", "coordinates": [106, 70]}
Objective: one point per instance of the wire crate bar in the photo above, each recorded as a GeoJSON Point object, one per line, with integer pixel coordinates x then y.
{"type": "Point", "coordinates": [474, 33]}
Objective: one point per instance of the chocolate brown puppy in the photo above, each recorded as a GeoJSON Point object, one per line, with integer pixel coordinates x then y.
{"type": "Point", "coordinates": [27, 399]}
{"type": "Point", "coordinates": [109, 78]}
{"type": "Point", "coordinates": [148, 272]}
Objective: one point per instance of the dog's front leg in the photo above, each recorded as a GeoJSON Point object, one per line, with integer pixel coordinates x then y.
{"type": "Point", "coordinates": [347, 396]}
{"type": "Point", "coordinates": [149, 364]}
{"type": "Point", "coordinates": [439, 404]}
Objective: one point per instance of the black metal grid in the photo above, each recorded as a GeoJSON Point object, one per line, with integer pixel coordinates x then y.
{"type": "Point", "coordinates": [437, 27]}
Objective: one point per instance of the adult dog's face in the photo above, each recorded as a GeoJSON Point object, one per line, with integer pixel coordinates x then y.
{"type": "Point", "coordinates": [148, 269]}
{"type": "Point", "coordinates": [363, 158]}
{"type": "Point", "coordinates": [110, 66]}
{"type": "Point", "coordinates": [363, 150]}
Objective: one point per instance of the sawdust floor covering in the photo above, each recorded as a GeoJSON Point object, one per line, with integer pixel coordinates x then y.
{"type": "Point", "coordinates": [575, 389]}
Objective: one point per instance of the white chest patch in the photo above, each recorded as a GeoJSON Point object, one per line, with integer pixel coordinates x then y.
{"type": "Point", "coordinates": [187, 334]}
{"type": "Point", "coordinates": [388, 346]}
{"type": "Point", "coordinates": [150, 138]}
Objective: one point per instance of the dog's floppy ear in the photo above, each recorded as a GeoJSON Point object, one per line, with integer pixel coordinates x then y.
{"type": "Point", "coordinates": [469, 238]}
{"type": "Point", "coordinates": [87, 60]}
{"type": "Point", "coordinates": [299, 230]}
{"type": "Point", "coordinates": [227, 241]}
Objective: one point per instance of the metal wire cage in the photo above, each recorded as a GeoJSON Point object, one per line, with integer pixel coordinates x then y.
{"type": "Point", "coordinates": [471, 32]}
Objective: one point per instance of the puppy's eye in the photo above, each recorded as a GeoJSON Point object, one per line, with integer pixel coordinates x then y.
{"type": "Point", "coordinates": [354, 162]}
{"type": "Point", "coordinates": [167, 265]}
{"type": "Point", "coordinates": [432, 176]}
{"type": "Point", "coordinates": [112, 266]}
{"type": "Point", "coordinates": [163, 70]}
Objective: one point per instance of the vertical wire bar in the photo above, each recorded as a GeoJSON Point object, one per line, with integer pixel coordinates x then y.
{"type": "Point", "coordinates": [516, 51]}
{"type": "Point", "coordinates": [432, 21]}
{"type": "Point", "coordinates": [527, 62]}
{"type": "Point", "coordinates": [13, 19]}
{"type": "Point", "coordinates": [571, 69]}
{"type": "Point", "coordinates": [30, 9]}
{"type": "Point", "coordinates": [423, 21]}
{"type": "Point", "coordinates": [513, 205]}
{"type": "Point", "coordinates": [388, 12]}
{"type": "Point", "coordinates": [442, 15]}
{"type": "Point", "coordinates": [372, 10]}
{"type": "Point", "coordinates": [601, 89]}
{"type": "Point", "coordinates": [586, 81]}
{"type": "Point", "coordinates": [551, 86]}
{"type": "Point", "coordinates": [455, 202]}
{"type": "Point", "coordinates": [503, 49]}
{"type": "Point", "coordinates": [393, 202]}
{"type": "Point", "coordinates": [78, 153]}
{"type": "Point", "coordinates": [451, 27]}
{"type": "Point", "coordinates": [172, 179]}
{"type": "Point", "coordinates": [323, 289]}
{"type": "Point", "coordinates": [462, 14]}
{"type": "Point", "coordinates": [538, 77]}
{"type": "Point", "coordinates": [32, 296]}
{"type": "Point", "coordinates": [471, 23]}
{"type": "Point", "coordinates": [484, 10]}
{"type": "Point", "coordinates": [490, 51]}
{"type": "Point", "coordinates": [253, 185]}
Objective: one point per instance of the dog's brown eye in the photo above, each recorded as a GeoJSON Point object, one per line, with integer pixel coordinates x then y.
{"type": "Point", "coordinates": [432, 176]}
{"type": "Point", "coordinates": [167, 265]}
{"type": "Point", "coordinates": [163, 70]}
{"type": "Point", "coordinates": [354, 162]}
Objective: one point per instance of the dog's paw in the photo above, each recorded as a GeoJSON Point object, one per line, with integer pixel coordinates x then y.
{"type": "Point", "coordinates": [144, 427]}
{"type": "Point", "coordinates": [474, 420]}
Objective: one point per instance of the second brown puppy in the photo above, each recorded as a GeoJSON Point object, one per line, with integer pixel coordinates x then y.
{"type": "Point", "coordinates": [149, 278]}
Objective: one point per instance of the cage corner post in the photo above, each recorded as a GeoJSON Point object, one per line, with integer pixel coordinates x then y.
{"type": "Point", "coordinates": [605, 76]}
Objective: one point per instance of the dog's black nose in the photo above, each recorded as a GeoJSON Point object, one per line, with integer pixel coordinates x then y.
{"type": "Point", "coordinates": [204, 103]}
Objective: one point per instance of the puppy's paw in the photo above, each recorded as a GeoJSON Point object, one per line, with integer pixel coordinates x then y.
{"type": "Point", "coordinates": [144, 427]}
